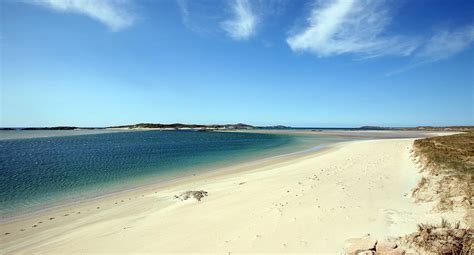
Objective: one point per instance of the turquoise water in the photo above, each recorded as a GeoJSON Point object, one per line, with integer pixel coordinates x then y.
{"type": "Point", "coordinates": [37, 172]}
{"type": "Point", "coordinates": [21, 134]}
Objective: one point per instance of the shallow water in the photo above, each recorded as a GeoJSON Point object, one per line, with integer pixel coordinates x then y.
{"type": "Point", "coordinates": [22, 134]}
{"type": "Point", "coordinates": [37, 172]}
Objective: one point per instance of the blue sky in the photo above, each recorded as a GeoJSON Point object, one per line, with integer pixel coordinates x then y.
{"type": "Point", "coordinates": [335, 63]}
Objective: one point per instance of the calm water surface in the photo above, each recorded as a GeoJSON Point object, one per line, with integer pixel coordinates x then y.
{"type": "Point", "coordinates": [37, 172]}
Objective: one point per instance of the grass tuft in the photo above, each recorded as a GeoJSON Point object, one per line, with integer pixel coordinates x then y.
{"type": "Point", "coordinates": [443, 238]}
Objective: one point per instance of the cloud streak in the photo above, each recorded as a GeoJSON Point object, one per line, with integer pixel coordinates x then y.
{"type": "Point", "coordinates": [350, 26]}
{"type": "Point", "coordinates": [242, 25]}
{"type": "Point", "coordinates": [199, 16]}
{"type": "Point", "coordinates": [442, 45]}
{"type": "Point", "coordinates": [112, 13]}
{"type": "Point", "coordinates": [360, 27]}
{"type": "Point", "coordinates": [240, 20]}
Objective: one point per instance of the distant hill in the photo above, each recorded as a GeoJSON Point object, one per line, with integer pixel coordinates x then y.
{"type": "Point", "coordinates": [375, 128]}
{"type": "Point", "coordinates": [50, 128]}
{"type": "Point", "coordinates": [184, 126]}
{"type": "Point", "coordinates": [447, 128]}
{"type": "Point", "coordinates": [177, 126]}
{"type": "Point", "coordinates": [275, 127]}
{"type": "Point", "coordinates": [421, 128]}
{"type": "Point", "coordinates": [146, 126]}
{"type": "Point", "coordinates": [53, 128]}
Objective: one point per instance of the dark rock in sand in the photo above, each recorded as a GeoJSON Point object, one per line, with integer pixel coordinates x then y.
{"type": "Point", "coordinates": [198, 195]}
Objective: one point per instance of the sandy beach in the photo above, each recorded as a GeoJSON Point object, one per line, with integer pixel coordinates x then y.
{"type": "Point", "coordinates": [311, 203]}
{"type": "Point", "coordinates": [237, 127]}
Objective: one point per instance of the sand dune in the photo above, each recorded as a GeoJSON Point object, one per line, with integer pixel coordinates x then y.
{"type": "Point", "coordinates": [308, 204]}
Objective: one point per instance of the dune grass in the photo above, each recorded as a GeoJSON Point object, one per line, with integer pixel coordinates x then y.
{"type": "Point", "coordinates": [452, 154]}
{"type": "Point", "coordinates": [442, 238]}
{"type": "Point", "coordinates": [448, 162]}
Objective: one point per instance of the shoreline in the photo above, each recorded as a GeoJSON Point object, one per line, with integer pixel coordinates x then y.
{"type": "Point", "coordinates": [295, 204]}
{"type": "Point", "coordinates": [244, 166]}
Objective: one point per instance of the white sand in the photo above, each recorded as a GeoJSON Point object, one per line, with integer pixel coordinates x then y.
{"type": "Point", "coordinates": [309, 204]}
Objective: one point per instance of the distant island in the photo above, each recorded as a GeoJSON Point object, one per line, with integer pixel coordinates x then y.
{"type": "Point", "coordinates": [238, 126]}
{"type": "Point", "coordinates": [276, 127]}
{"type": "Point", "coordinates": [54, 128]}
{"type": "Point", "coordinates": [421, 128]}
{"type": "Point", "coordinates": [175, 126]}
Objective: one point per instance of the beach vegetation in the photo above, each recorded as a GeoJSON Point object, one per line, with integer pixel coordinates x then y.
{"type": "Point", "coordinates": [442, 238]}
{"type": "Point", "coordinates": [447, 163]}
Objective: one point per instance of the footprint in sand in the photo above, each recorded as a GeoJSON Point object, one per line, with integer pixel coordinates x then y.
{"type": "Point", "coordinates": [52, 218]}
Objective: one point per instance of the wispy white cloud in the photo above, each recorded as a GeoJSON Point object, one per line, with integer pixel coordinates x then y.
{"type": "Point", "coordinates": [360, 27]}
{"type": "Point", "coordinates": [350, 26]}
{"type": "Point", "coordinates": [243, 23]}
{"type": "Point", "coordinates": [238, 19]}
{"type": "Point", "coordinates": [198, 16]}
{"type": "Point", "coordinates": [184, 9]}
{"type": "Point", "coordinates": [442, 45]}
{"type": "Point", "coordinates": [112, 13]}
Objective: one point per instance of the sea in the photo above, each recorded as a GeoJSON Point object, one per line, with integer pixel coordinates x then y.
{"type": "Point", "coordinates": [41, 169]}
